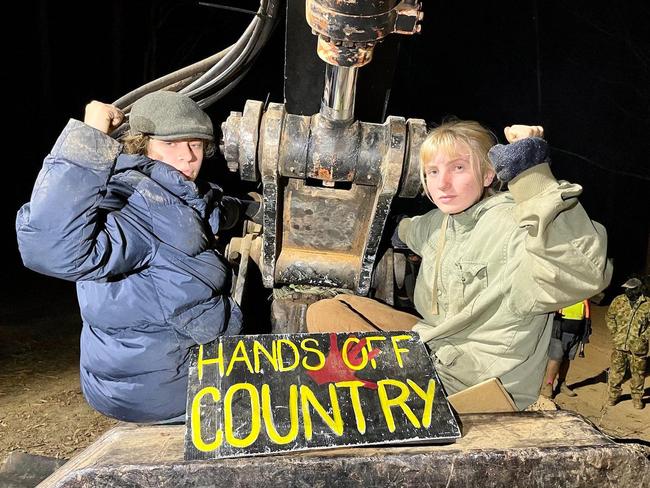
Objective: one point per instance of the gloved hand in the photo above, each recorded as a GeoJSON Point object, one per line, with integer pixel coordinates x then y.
{"type": "Point", "coordinates": [526, 150]}
{"type": "Point", "coordinates": [254, 207]}
{"type": "Point", "coordinates": [234, 209]}
{"type": "Point", "coordinates": [395, 241]}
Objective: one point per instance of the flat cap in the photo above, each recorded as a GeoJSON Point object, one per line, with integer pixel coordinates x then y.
{"type": "Point", "coordinates": [632, 283]}
{"type": "Point", "coordinates": [170, 116]}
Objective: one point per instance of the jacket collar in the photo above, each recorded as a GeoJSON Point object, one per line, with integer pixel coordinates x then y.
{"type": "Point", "coordinates": [642, 298]}
{"type": "Point", "coordinates": [197, 195]}
{"type": "Point", "coordinates": [465, 221]}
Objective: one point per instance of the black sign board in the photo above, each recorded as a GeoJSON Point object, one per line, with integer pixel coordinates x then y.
{"type": "Point", "coordinates": [265, 394]}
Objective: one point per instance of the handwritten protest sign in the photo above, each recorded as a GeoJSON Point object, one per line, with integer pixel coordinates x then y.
{"type": "Point", "coordinates": [253, 395]}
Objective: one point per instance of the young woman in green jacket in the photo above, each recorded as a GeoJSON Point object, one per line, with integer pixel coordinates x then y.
{"type": "Point", "coordinates": [495, 266]}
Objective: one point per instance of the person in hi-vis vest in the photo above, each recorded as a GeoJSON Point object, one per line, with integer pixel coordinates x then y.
{"type": "Point", "coordinates": [571, 330]}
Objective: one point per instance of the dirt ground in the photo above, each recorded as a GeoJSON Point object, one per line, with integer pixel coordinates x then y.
{"type": "Point", "coordinates": [42, 410]}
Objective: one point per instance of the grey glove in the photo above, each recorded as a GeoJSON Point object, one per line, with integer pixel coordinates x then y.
{"type": "Point", "coordinates": [510, 160]}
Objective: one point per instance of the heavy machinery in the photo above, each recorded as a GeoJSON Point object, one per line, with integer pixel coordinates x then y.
{"type": "Point", "coordinates": [327, 179]}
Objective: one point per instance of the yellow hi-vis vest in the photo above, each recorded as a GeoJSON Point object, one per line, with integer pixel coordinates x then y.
{"type": "Point", "coordinates": [577, 311]}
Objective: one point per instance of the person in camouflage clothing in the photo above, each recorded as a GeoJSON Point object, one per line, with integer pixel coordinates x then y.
{"type": "Point", "coordinates": [628, 320]}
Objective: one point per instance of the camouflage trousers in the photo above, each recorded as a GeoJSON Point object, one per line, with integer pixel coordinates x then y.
{"type": "Point", "coordinates": [620, 360]}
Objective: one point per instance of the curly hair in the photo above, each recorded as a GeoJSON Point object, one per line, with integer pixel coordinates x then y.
{"type": "Point", "coordinates": [137, 143]}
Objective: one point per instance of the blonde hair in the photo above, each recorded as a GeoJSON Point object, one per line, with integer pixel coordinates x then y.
{"type": "Point", "coordinates": [136, 143]}
{"type": "Point", "coordinates": [447, 135]}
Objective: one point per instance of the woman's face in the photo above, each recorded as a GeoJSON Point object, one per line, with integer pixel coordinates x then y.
{"type": "Point", "coordinates": [451, 180]}
{"type": "Point", "coordinates": [186, 155]}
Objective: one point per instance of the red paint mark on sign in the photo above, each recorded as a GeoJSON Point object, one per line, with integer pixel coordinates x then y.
{"type": "Point", "coordinates": [335, 369]}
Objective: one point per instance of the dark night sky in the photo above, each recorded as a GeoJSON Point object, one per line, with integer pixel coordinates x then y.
{"type": "Point", "coordinates": [581, 69]}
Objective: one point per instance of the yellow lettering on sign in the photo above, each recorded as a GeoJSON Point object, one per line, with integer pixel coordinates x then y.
{"type": "Point", "coordinates": [294, 349]}
{"type": "Point", "coordinates": [400, 401]}
{"type": "Point", "coordinates": [398, 349]}
{"type": "Point", "coordinates": [334, 422]}
{"type": "Point", "coordinates": [346, 358]}
{"type": "Point", "coordinates": [271, 356]}
{"type": "Point", "coordinates": [255, 415]}
{"type": "Point", "coordinates": [267, 415]}
{"type": "Point", "coordinates": [239, 355]}
{"type": "Point", "coordinates": [356, 402]}
{"type": "Point", "coordinates": [203, 362]}
{"type": "Point", "coordinates": [427, 397]}
{"type": "Point", "coordinates": [369, 340]}
{"type": "Point", "coordinates": [319, 354]}
{"type": "Point", "coordinates": [195, 425]}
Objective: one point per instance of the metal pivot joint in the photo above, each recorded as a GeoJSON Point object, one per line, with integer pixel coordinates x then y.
{"type": "Point", "coordinates": [327, 190]}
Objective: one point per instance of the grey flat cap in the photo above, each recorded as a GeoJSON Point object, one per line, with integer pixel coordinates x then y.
{"type": "Point", "coordinates": [632, 283]}
{"type": "Point", "coordinates": [170, 116]}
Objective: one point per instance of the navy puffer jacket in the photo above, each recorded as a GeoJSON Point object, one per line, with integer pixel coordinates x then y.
{"type": "Point", "coordinates": [138, 239]}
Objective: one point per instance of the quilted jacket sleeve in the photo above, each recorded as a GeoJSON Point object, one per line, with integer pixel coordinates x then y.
{"type": "Point", "coordinates": [62, 231]}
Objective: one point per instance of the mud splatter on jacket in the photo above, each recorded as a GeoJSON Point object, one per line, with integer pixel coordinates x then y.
{"type": "Point", "coordinates": [138, 240]}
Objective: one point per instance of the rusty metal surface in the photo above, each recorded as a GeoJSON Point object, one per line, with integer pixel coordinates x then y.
{"type": "Point", "coordinates": [325, 219]}
{"type": "Point", "coordinates": [391, 170]}
{"type": "Point", "coordinates": [408, 16]}
{"type": "Point", "coordinates": [324, 234]}
{"type": "Point", "coordinates": [294, 146]}
{"type": "Point", "coordinates": [383, 283]}
{"type": "Point", "coordinates": [288, 315]}
{"type": "Point", "coordinates": [240, 134]}
{"type": "Point", "coordinates": [330, 236]}
{"type": "Point", "coordinates": [248, 138]}
{"type": "Point", "coordinates": [410, 181]}
{"type": "Point", "coordinates": [327, 192]}
{"type": "Point", "coordinates": [229, 145]}
{"type": "Point", "coordinates": [333, 150]}
{"type": "Point", "coordinates": [360, 21]}
{"type": "Point", "coordinates": [304, 267]}
{"type": "Point", "coordinates": [270, 131]}
{"type": "Point", "coordinates": [338, 54]}
{"type": "Point", "coordinates": [349, 30]}
{"type": "Point", "coordinates": [374, 143]}
{"type": "Point", "coordinates": [324, 157]}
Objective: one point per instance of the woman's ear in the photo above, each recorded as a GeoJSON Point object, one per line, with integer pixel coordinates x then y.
{"type": "Point", "coordinates": [488, 178]}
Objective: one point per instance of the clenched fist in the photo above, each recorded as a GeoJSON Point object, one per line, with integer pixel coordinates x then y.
{"type": "Point", "coordinates": [102, 116]}
{"type": "Point", "coordinates": [516, 132]}
{"type": "Point", "coordinates": [526, 149]}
